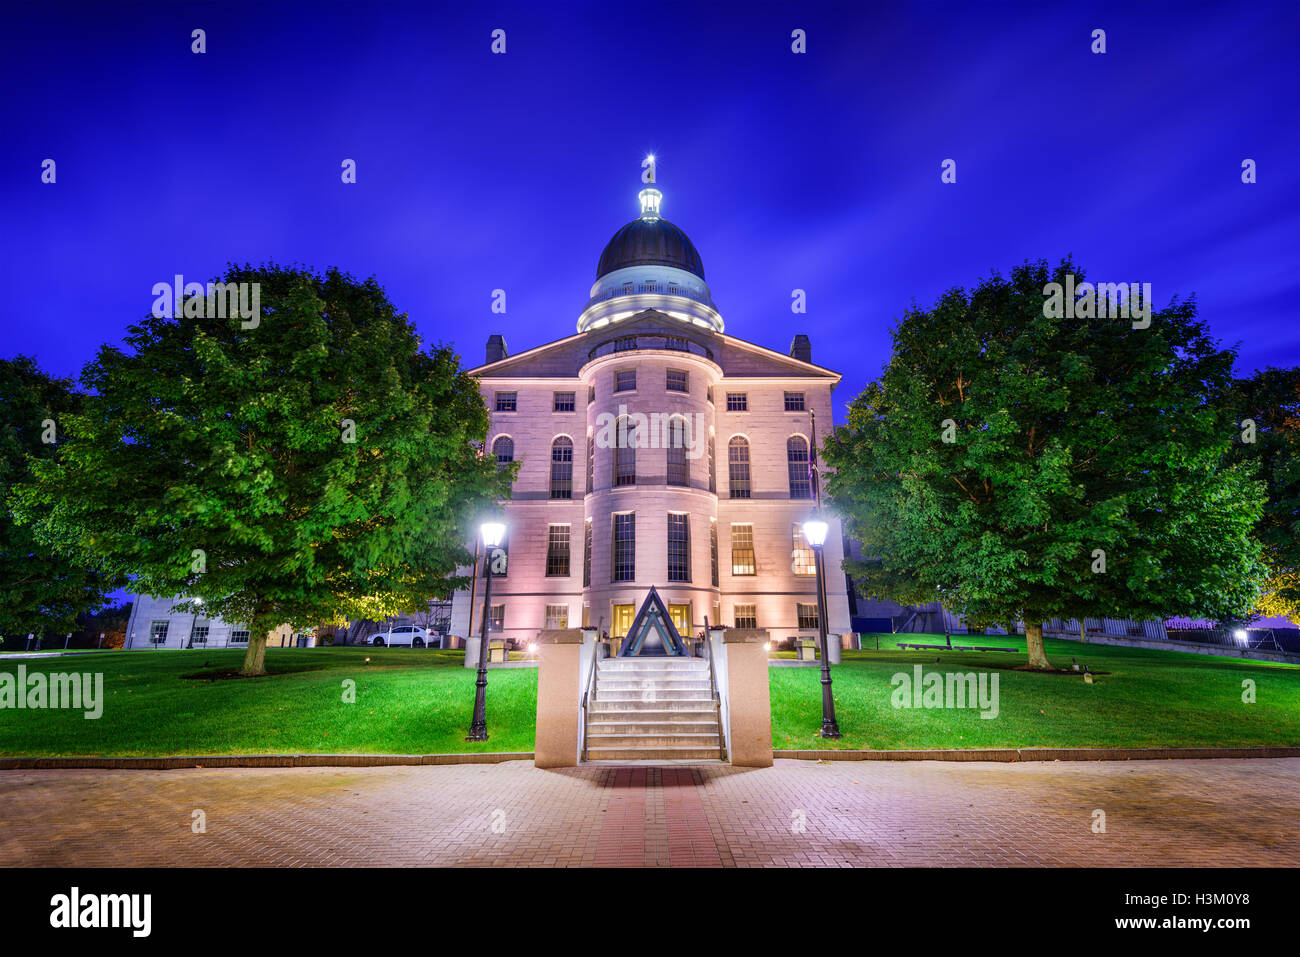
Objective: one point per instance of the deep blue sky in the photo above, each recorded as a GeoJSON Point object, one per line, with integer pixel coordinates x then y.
{"type": "Point", "coordinates": [818, 171]}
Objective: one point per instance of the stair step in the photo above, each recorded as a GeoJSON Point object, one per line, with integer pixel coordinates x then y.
{"type": "Point", "coordinates": [657, 694]}
{"type": "Point", "coordinates": [683, 753]}
{"type": "Point", "coordinates": [668, 740]}
{"type": "Point", "coordinates": [652, 727]}
{"type": "Point", "coordinates": [656, 664]}
{"type": "Point", "coordinates": [642, 708]}
{"type": "Point", "coordinates": [667, 684]}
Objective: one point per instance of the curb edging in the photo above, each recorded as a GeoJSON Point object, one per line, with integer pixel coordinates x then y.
{"type": "Point", "coordinates": [1011, 755]}
{"type": "Point", "coordinates": [260, 761]}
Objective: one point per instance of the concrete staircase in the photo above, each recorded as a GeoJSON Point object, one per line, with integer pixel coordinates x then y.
{"type": "Point", "coordinates": [659, 709]}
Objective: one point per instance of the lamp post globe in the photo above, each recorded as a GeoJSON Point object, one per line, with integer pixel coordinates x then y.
{"type": "Point", "coordinates": [493, 533]}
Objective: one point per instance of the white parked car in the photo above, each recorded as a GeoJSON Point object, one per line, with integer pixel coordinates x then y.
{"type": "Point", "coordinates": [402, 635]}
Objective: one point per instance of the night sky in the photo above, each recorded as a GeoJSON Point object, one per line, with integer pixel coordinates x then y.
{"type": "Point", "coordinates": [818, 171]}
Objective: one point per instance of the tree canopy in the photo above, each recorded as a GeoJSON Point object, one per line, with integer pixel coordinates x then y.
{"type": "Point", "coordinates": [1017, 465]}
{"type": "Point", "coordinates": [41, 590]}
{"type": "Point", "coordinates": [313, 464]}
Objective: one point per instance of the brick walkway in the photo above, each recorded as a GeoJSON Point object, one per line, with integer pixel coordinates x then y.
{"type": "Point", "coordinates": [799, 813]}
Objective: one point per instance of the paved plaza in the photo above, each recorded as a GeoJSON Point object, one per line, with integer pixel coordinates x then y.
{"type": "Point", "coordinates": [796, 814]}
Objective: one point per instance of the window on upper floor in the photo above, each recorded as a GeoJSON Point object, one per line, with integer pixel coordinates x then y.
{"type": "Point", "coordinates": [678, 380]}
{"type": "Point", "coordinates": [504, 449]}
{"type": "Point", "coordinates": [794, 402]}
{"type": "Point", "coordinates": [679, 465]}
{"type": "Point", "coordinates": [507, 402]}
{"type": "Point", "coordinates": [679, 547]}
{"type": "Point", "coordinates": [737, 402]}
{"type": "Point", "coordinates": [562, 467]}
{"type": "Point", "coordinates": [564, 402]}
{"type": "Point", "coordinates": [796, 454]}
{"type": "Point", "coordinates": [623, 565]}
{"type": "Point", "coordinates": [743, 561]}
{"type": "Point", "coordinates": [557, 551]}
{"type": "Point", "coordinates": [625, 380]}
{"type": "Point", "coordinates": [738, 466]}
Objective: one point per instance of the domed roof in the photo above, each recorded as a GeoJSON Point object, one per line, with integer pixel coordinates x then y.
{"type": "Point", "coordinates": [650, 242]}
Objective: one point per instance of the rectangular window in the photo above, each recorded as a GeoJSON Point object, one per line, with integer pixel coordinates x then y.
{"type": "Point", "coordinates": [591, 394]}
{"type": "Point", "coordinates": [586, 554]}
{"type": "Point", "coordinates": [562, 468]}
{"type": "Point", "coordinates": [625, 344]}
{"type": "Point", "coordinates": [623, 566]}
{"type": "Point", "coordinates": [804, 563]}
{"type": "Point", "coordinates": [158, 633]}
{"type": "Point", "coordinates": [200, 634]}
{"type": "Point", "coordinates": [497, 618]}
{"type": "Point", "coordinates": [625, 380]}
{"type": "Point", "coordinates": [678, 381]}
{"type": "Point", "coordinates": [565, 401]}
{"type": "Point", "coordinates": [745, 616]}
{"type": "Point", "coordinates": [807, 617]}
{"type": "Point", "coordinates": [591, 463]}
{"type": "Point", "coordinates": [742, 550]}
{"type": "Point", "coordinates": [737, 402]}
{"type": "Point", "coordinates": [794, 402]}
{"type": "Point", "coordinates": [557, 617]}
{"type": "Point", "coordinates": [557, 551]}
{"type": "Point", "coordinates": [239, 636]}
{"type": "Point", "coordinates": [713, 467]}
{"type": "Point", "coordinates": [713, 553]}
{"type": "Point", "coordinates": [507, 401]}
{"type": "Point", "coordinates": [679, 547]}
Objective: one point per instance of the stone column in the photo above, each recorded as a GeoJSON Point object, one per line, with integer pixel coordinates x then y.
{"type": "Point", "coordinates": [559, 696]}
{"type": "Point", "coordinates": [749, 698]}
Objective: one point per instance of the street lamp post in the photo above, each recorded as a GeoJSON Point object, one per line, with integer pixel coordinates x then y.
{"type": "Point", "coordinates": [492, 535]}
{"type": "Point", "coordinates": [814, 530]}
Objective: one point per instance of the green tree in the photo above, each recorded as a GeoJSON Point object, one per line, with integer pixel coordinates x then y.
{"type": "Point", "coordinates": [41, 590]}
{"type": "Point", "coordinates": [1267, 407]}
{"type": "Point", "coordinates": [309, 464]}
{"type": "Point", "coordinates": [1019, 466]}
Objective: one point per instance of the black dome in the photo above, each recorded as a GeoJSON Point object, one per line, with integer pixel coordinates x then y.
{"type": "Point", "coordinates": [650, 242]}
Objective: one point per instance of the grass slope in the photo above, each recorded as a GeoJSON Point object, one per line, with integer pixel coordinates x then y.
{"type": "Point", "coordinates": [407, 702]}
{"type": "Point", "coordinates": [1147, 699]}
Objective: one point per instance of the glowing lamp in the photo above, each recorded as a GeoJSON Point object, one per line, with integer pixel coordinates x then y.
{"type": "Point", "coordinates": [814, 530]}
{"type": "Point", "coordinates": [493, 532]}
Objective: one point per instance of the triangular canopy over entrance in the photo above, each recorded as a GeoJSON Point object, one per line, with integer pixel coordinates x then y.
{"type": "Point", "coordinates": [652, 633]}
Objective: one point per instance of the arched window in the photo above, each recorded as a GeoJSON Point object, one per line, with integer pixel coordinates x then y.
{"type": "Point", "coordinates": [679, 468]}
{"type": "Point", "coordinates": [504, 449]}
{"type": "Point", "coordinates": [562, 468]}
{"type": "Point", "coordinates": [738, 466]}
{"type": "Point", "coordinates": [796, 455]}
{"type": "Point", "coordinates": [625, 441]}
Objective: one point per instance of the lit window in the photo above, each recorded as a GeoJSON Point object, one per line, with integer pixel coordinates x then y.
{"type": "Point", "coordinates": [804, 560]}
{"type": "Point", "coordinates": [586, 555]}
{"type": "Point", "coordinates": [557, 617]}
{"type": "Point", "coordinates": [742, 550]}
{"type": "Point", "coordinates": [497, 618]}
{"type": "Point", "coordinates": [713, 555]}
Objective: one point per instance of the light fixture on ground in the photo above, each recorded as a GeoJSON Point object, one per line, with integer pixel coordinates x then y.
{"type": "Point", "coordinates": [814, 532]}
{"type": "Point", "coordinates": [493, 533]}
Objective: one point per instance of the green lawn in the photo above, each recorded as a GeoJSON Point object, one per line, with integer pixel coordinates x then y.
{"type": "Point", "coordinates": [420, 702]}
{"type": "Point", "coordinates": [407, 702]}
{"type": "Point", "coordinates": [1147, 699]}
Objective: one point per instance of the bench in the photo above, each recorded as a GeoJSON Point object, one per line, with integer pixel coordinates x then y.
{"type": "Point", "coordinates": [497, 653]}
{"type": "Point", "coordinates": [912, 646]}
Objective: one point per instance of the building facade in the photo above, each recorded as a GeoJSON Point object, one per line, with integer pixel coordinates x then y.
{"type": "Point", "coordinates": [654, 449]}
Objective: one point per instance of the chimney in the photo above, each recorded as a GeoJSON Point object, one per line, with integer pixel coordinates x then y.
{"type": "Point", "coordinates": [496, 349]}
{"type": "Point", "coordinates": [801, 348]}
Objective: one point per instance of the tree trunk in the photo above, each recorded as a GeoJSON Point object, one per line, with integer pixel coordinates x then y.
{"type": "Point", "coordinates": [1083, 633]}
{"type": "Point", "coordinates": [255, 656]}
{"type": "Point", "coordinates": [1034, 641]}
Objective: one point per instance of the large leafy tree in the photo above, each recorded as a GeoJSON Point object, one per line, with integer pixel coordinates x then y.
{"type": "Point", "coordinates": [318, 466]}
{"type": "Point", "coordinates": [1268, 410]}
{"type": "Point", "coordinates": [41, 590]}
{"type": "Point", "coordinates": [1018, 466]}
